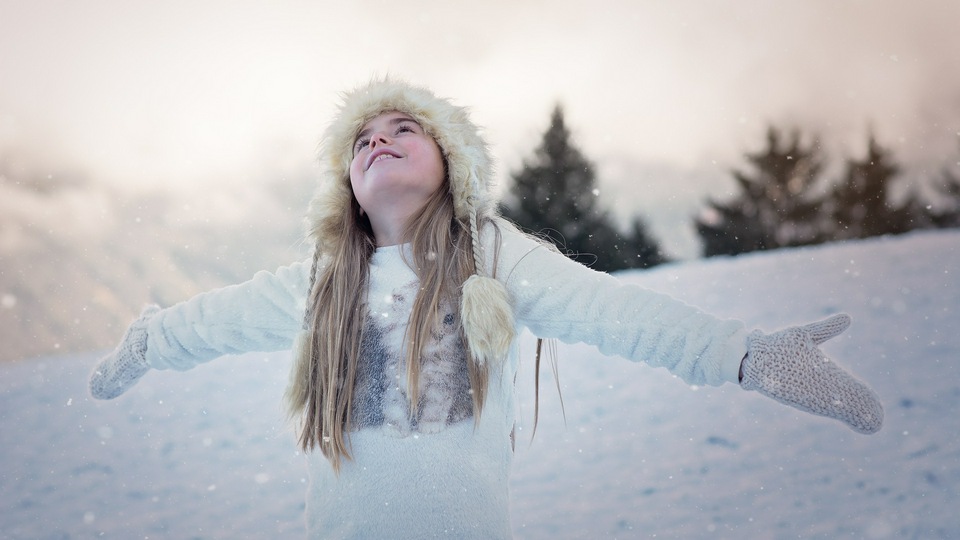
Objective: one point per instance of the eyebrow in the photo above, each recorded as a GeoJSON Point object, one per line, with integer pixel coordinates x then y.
{"type": "Point", "coordinates": [393, 121]}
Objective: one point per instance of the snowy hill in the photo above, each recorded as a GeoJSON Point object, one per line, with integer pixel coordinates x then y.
{"type": "Point", "coordinates": [204, 454]}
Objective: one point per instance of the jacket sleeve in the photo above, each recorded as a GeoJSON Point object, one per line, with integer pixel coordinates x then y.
{"type": "Point", "coordinates": [262, 314]}
{"type": "Point", "coordinates": [555, 297]}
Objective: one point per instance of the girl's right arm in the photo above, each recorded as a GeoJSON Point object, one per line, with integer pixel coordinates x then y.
{"type": "Point", "coordinates": [262, 314]}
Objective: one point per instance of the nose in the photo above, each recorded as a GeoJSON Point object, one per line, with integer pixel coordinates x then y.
{"type": "Point", "coordinates": [378, 138]}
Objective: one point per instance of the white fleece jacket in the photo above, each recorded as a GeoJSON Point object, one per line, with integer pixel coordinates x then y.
{"type": "Point", "coordinates": [435, 472]}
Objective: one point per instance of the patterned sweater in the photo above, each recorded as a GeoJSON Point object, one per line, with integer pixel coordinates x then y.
{"type": "Point", "coordinates": [437, 472]}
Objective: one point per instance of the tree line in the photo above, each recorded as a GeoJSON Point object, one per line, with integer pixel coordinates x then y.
{"type": "Point", "coordinates": [785, 200]}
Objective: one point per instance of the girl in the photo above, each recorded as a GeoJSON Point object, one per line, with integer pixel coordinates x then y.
{"type": "Point", "coordinates": [404, 326]}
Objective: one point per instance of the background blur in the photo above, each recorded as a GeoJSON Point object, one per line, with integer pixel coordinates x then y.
{"type": "Point", "coordinates": [149, 151]}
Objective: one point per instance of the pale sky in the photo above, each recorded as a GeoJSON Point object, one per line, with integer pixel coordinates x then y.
{"type": "Point", "coordinates": [665, 96]}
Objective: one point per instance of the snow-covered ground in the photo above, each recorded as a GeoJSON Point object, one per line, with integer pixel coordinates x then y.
{"type": "Point", "coordinates": [205, 454]}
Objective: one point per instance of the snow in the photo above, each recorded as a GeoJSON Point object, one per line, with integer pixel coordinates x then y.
{"type": "Point", "coordinates": [206, 454]}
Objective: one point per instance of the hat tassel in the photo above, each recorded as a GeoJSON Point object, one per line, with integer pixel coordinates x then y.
{"type": "Point", "coordinates": [487, 319]}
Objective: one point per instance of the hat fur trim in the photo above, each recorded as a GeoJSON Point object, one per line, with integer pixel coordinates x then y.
{"type": "Point", "coordinates": [467, 157]}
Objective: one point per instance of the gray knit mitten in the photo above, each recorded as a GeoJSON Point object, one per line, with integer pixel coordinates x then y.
{"type": "Point", "coordinates": [122, 368]}
{"type": "Point", "coordinates": [789, 367]}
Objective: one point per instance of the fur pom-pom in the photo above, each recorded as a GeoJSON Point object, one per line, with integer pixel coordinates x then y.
{"type": "Point", "coordinates": [487, 318]}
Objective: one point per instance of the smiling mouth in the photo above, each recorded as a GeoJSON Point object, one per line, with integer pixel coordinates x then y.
{"type": "Point", "coordinates": [381, 157]}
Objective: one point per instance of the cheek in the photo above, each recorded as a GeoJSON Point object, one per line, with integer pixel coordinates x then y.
{"type": "Point", "coordinates": [356, 171]}
{"type": "Point", "coordinates": [355, 164]}
{"type": "Point", "coordinates": [356, 184]}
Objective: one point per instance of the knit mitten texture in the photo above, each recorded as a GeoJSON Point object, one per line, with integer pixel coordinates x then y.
{"type": "Point", "coordinates": [789, 367]}
{"type": "Point", "coordinates": [122, 368]}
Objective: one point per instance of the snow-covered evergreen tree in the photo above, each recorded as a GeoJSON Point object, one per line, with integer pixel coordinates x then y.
{"type": "Point", "coordinates": [861, 203]}
{"type": "Point", "coordinates": [948, 187]}
{"type": "Point", "coordinates": [555, 195]}
{"type": "Point", "coordinates": [776, 206]}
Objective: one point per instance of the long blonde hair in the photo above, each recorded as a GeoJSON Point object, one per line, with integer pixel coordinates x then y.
{"type": "Point", "coordinates": [321, 391]}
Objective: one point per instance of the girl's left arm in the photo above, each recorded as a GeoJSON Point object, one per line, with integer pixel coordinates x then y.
{"type": "Point", "coordinates": [556, 297]}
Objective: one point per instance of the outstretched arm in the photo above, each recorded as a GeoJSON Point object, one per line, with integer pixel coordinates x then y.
{"type": "Point", "coordinates": [559, 298]}
{"type": "Point", "coordinates": [556, 297]}
{"type": "Point", "coordinates": [262, 314]}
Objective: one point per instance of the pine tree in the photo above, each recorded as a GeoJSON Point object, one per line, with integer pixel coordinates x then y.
{"type": "Point", "coordinates": [948, 187]}
{"type": "Point", "coordinates": [644, 250]}
{"type": "Point", "coordinates": [776, 207]}
{"type": "Point", "coordinates": [555, 195]}
{"type": "Point", "coordinates": [861, 205]}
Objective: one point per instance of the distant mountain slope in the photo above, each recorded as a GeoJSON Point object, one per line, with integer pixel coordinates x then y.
{"type": "Point", "coordinates": [78, 261]}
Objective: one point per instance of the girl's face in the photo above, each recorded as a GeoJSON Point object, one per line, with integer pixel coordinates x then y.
{"type": "Point", "coordinates": [396, 167]}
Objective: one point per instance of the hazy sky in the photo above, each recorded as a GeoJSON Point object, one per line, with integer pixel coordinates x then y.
{"type": "Point", "coordinates": [210, 93]}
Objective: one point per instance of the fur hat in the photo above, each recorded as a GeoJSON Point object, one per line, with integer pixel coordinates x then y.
{"type": "Point", "coordinates": [485, 310]}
